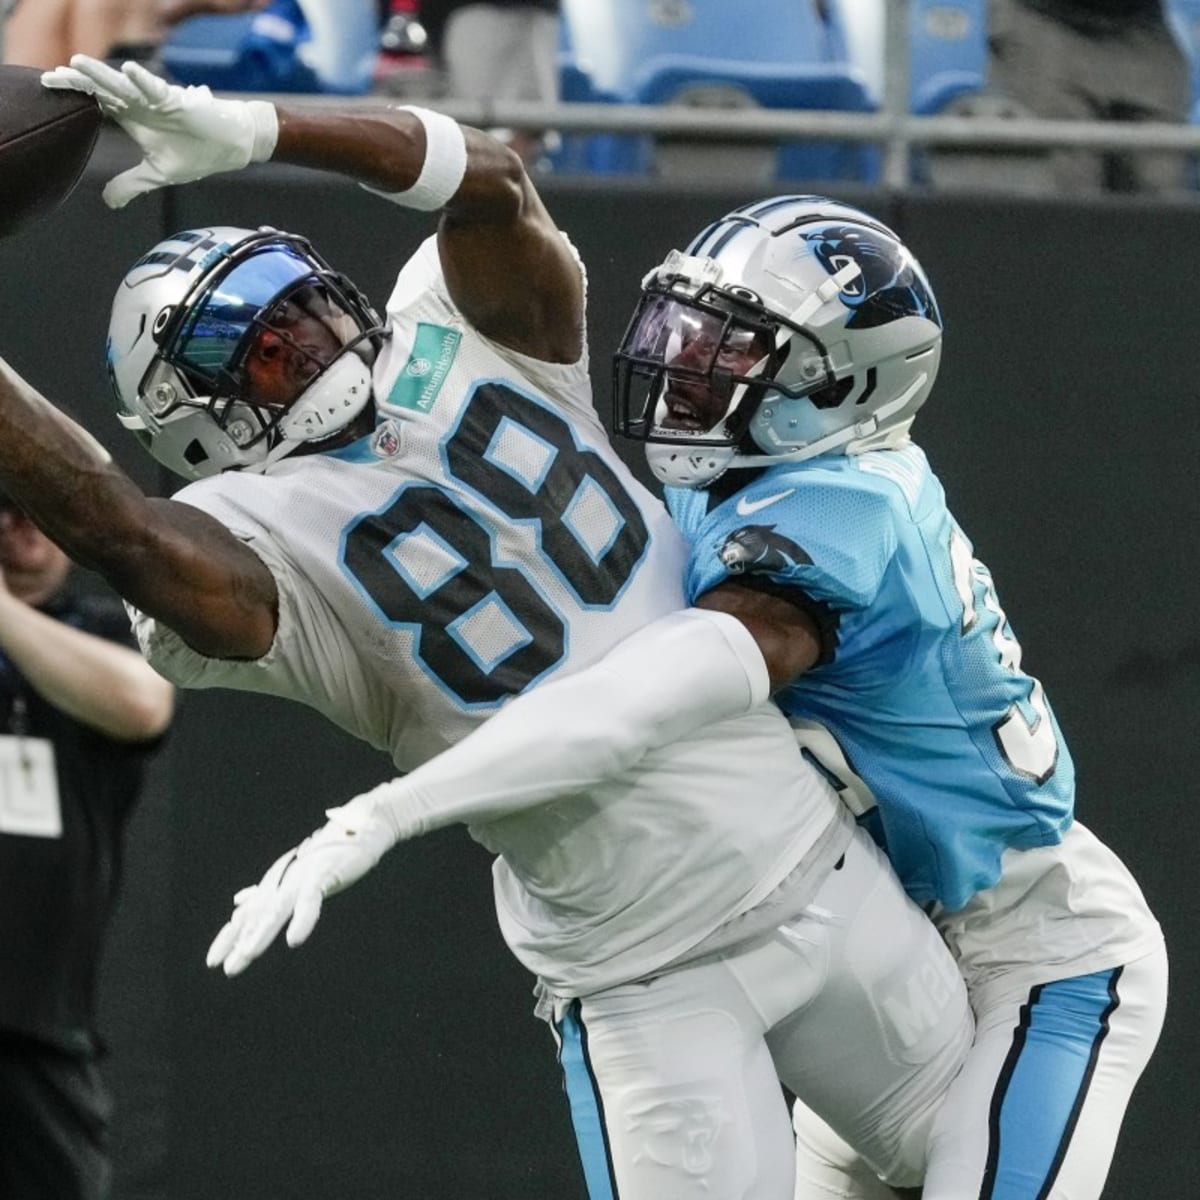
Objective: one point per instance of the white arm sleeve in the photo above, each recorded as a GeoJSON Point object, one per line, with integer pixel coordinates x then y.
{"type": "Point", "coordinates": [682, 671]}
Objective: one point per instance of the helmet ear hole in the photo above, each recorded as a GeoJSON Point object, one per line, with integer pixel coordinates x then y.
{"type": "Point", "coordinates": [161, 321]}
{"type": "Point", "coordinates": [833, 395]}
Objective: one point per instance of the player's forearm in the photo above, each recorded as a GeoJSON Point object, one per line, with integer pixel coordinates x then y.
{"type": "Point", "coordinates": [172, 561]}
{"type": "Point", "coordinates": [387, 149]}
{"type": "Point", "coordinates": [381, 147]}
{"type": "Point", "coordinates": [507, 268]}
{"type": "Point", "coordinates": [682, 672]}
{"type": "Point", "coordinates": [62, 476]}
{"type": "Point", "coordinates": [95, 681]}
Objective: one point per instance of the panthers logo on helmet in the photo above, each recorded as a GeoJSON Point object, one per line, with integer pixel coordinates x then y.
{"type": "Point", "coordinates": [760, 548]}
{"type": "Point", "coordinates": [890, 286]}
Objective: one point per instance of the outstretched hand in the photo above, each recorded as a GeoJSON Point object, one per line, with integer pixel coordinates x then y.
{"type": "Point", "coordinates": [185, 134]}
{"type": "Point", "coordinates": [293, 889]}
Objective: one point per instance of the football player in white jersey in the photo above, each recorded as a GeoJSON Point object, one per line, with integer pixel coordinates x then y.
{"type": "Point", "coordinates": [406, 520]}
{"type": "Point", "coordinates": [774, 369]}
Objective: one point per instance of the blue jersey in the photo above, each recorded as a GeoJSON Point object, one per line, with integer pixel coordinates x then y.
{"type": "Point", "coordinates": [919, 711]}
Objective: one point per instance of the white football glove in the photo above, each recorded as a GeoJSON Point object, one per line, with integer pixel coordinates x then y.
{"type": "Point", "coordinates": [185, 134]}
{"type": "Point", "coordinates": [292, 891]}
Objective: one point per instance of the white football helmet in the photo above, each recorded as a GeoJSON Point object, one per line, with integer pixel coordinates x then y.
{"type": "Point", "coordinates": [792, 327]}
{"type": "Point", "coordinates": [184, 322]}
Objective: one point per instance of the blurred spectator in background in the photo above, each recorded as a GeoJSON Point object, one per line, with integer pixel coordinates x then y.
{"type": "Point", "coordinates": [44, 33]}
{"type": "Point", "coordinates": [344, 44]}
{"type": "Point", "coordinates": [1099, 60]}
{"type": "Point", "coordinates": [403, 34]}
{"type": "Point", "coordinates": [405, 66]}
{"type": "Point", "coordinates": [499, 50]}
{"type": "Point", "coordinates": [273, 45]}
{"type": "Point", "coordinates": [79, 712]}
{"type": "Point", "coordinates": [179, 10]}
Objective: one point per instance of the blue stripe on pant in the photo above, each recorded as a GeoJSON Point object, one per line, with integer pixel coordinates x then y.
{"type": "Point", "coordinates": [1044, 1082]}
{"type": "Point", "coordinates": [587, 1107]}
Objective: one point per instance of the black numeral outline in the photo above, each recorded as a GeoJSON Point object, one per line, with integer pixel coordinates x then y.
{"type": "Point", "coordinates": [476, 575]}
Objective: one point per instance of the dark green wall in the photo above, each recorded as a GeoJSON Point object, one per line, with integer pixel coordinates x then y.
{"type": "Point", "coordinates": [396, 1054]}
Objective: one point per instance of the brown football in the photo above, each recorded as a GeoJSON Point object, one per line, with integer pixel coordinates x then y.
{"type": "Point", "coordinates": [46, 138]}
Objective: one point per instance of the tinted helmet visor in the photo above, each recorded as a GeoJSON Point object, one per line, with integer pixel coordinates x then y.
{"type": "Point", "coordinates": [694, 368]}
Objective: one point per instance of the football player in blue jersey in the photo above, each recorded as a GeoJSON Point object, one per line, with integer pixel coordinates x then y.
{"type": "Point", "coordinates": [773, 370]}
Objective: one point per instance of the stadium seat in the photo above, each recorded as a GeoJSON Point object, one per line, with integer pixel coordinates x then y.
{"type": "Point", "coordinates": [1184, 18]}
{"type": "Point", "coordinates": [605, 153]}
{"type": "Point", "coordinates": [949, 52]}
{"type": "Point", "coordinates": [948, 68]}
{"type": "Point", "coordinates": [789, 54]}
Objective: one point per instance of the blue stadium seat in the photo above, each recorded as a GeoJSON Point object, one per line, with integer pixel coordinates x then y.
{"type": "Point", "coordinates": [772, 53]}
{"type": "Point", "coordinates": [606, 153]}
{"type": "Point", "coordinates": [1184, 18]}
{"type": "Point", "coordinates": [949, 61]}
{"type": "Point", "coordinates": [949, 52]}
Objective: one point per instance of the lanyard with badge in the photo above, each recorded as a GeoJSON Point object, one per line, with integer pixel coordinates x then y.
{"type": "Point", "coordinates": [29, 797]}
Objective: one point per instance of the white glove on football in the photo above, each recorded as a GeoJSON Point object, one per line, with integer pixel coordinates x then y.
{"type": "Point", "coordinates": [292, 891]}
{"type": "Point", "coordinates": [185, 134]}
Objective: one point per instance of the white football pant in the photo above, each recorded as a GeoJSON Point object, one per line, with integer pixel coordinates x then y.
{"type": "Point", "coordinates": [1036, 1110]}
{"type": "Point", "coordinates": [857, 1006]}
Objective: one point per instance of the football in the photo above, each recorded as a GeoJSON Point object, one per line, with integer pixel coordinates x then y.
{"type": "Point", "coordinates": [46, 138]}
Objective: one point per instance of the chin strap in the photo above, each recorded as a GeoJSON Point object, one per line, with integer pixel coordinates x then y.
{"type": "Point", "coordinates": [332, 401]}
{"type": "Point", "coordinates": [322, 410]}
{"type": "Point", "coordinates": [820, 296]}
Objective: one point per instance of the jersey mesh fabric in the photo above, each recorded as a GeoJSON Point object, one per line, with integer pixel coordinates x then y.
{"type": "Point", "coordinates": [483, 538]}
{"type": "Point", "coordinates": [914, 693]}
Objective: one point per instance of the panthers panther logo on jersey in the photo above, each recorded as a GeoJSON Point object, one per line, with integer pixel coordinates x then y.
{"type": "Point", "coordinates": [760, 548]}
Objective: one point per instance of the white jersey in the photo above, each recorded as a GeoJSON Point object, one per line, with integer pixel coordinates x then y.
{"type": "Point", "coordinates": [484, 538]}
{"type": "Point", "coordinates": [1056, 912]}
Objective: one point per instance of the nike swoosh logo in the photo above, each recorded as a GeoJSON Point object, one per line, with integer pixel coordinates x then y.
{"type": "Point", "coordinates": [746, 507]}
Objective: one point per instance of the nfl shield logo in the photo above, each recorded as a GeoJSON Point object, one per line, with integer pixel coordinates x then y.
{"type": "Point", "coordinates": [387, 440]}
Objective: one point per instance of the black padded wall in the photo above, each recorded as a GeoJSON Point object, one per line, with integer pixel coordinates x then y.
{"type": "Point", "coordinates": [396, 1055]}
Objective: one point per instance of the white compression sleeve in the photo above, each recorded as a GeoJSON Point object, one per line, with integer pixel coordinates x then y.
{"type": "Point", "coordinates": [685, 670]}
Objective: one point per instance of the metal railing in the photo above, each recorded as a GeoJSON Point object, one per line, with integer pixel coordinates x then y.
{"type": "Point", "coordinates": [898, 132]}
{"type": "Point", "coordinates": [893, 128]}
